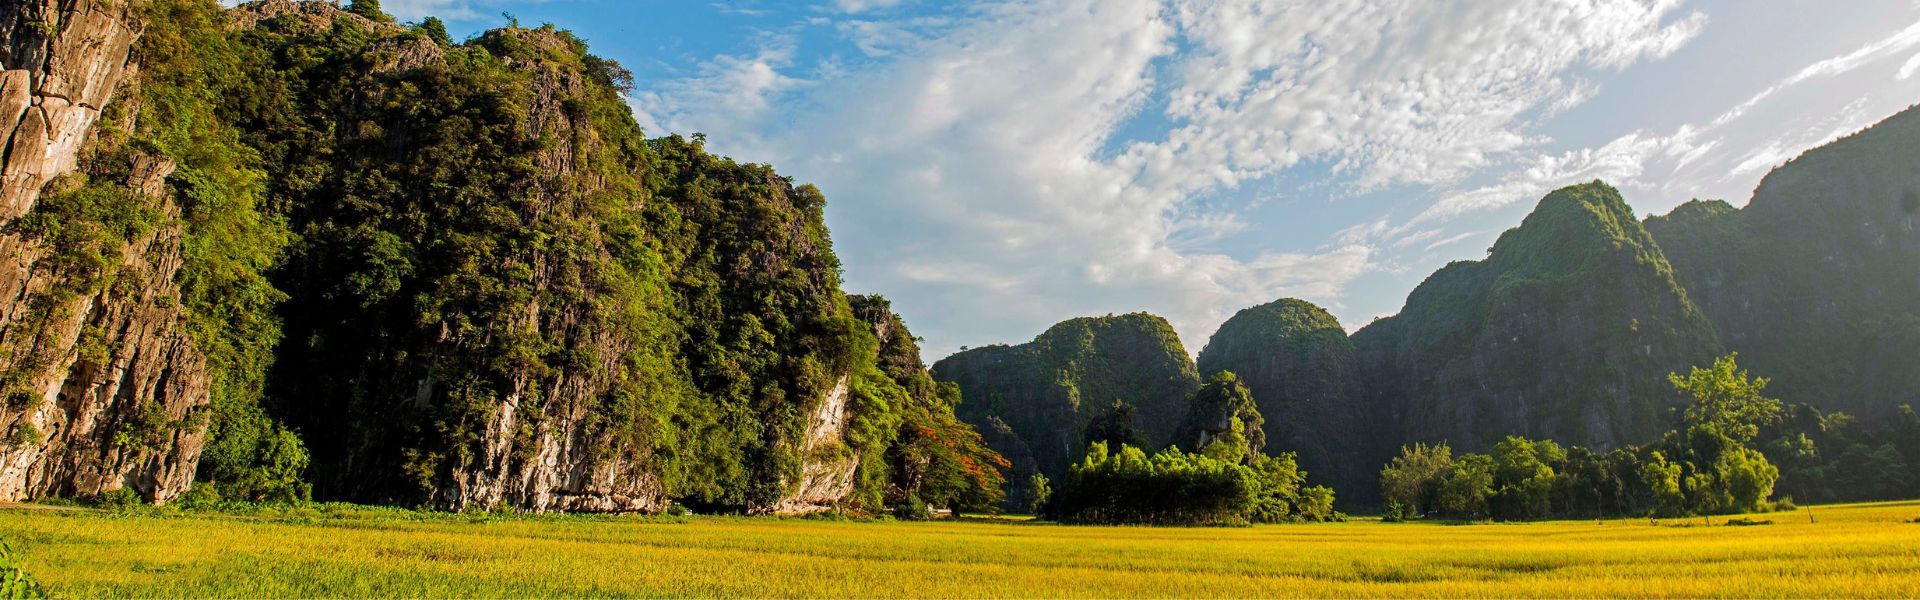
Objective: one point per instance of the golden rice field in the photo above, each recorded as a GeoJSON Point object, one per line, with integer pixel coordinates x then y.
{"type": "Point", "coordinates": [1868, 550]}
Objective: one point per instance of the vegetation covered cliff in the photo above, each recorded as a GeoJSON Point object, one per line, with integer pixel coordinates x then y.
{"type": "Point", "coordinates": [1301, 369]}
{"type": "Point", "coordinates": [1816, 282]}
{"type": "Point", "coordinates": [311, 246]}
{"type": "Point", "coordinates": [1034, 401]}
{"type": "Point", "coordinates": [1561, 332]}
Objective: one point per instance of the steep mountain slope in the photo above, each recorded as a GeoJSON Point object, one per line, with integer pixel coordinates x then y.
{"type": "Point", "coordinates": [113, 358]}
{"type": "Point", "coordinates": [1817, 281]}
{"type": "Point", "coordinates": [456, 270]}
{"type": "Point", "coordinates": [1301, 367]}
{"type": "Point", "coordinates": [1563, 332]}
{"type": "Point", "coordinates": [1033, 401]}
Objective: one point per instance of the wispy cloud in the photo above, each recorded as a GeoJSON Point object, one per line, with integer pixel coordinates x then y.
{"type": "Point", "coordinates": [970, 176]}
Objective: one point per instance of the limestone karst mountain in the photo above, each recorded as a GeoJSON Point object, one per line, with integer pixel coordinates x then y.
{"type": "Point", "coordinates": [1033, 401]}
{"type": "Point", "coordinates": [288, 243]}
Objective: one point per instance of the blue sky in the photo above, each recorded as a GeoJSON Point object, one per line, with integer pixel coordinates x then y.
{"type": "Point", "coordinates": [997, 167]}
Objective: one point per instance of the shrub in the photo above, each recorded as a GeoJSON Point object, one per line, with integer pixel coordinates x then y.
{"type": "Point", "coordinates": [118, 499]}
{"type": "Point", "coordinates": [14, 580]}
{"type": "Point", "coordinates": [1041, 494]}
{"type": "Point", "coordinates": [912, 509]}
{"type": "Point", "coordinates": [1169, 488]}
{"type": "Point", "coordinates": [1395, 513]}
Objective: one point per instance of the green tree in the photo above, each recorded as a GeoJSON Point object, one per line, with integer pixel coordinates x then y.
{"type": "Point", "coordinates": [1469, 487]}
{"type": "Point", "coordinates": [1661, 480]}
{"type": "Point", "coordinates": [1223, 421]}
{"type": "Point", "coordinates": [1168, 488]}
{"type": "Point", "coordinates": [369, 9]}
{"type": "Point", "coordinates": [435, 30]}
{"type": "Point", "coordinates": [1414, 478]}
{"type": "Point", "coordinates": [1114, 427]}
{"type": "Point", "coordinates": [1727, 409]}
{"type": "Point", "coordinates": [1230, 445]}
{"type": "Point", "coordinates": [1041, 494]}
{"type": "Point", "coordinates": [1524, 477]}
{"type": "Point", "coordinates": [1725, 398]}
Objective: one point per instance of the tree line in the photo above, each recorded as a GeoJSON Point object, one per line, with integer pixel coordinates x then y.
{"type": "Point", "coordinates": [1214, 473]}
{"type": "Point", "coordinates": [1706, 465]}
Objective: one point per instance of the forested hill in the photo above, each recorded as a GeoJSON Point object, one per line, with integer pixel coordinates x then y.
{"type": "Point", "coordinates": [1566, 329]}
{"type": "Point", "coordinates": [1036, 402]}
{"type": "Point", "coordinates": [1817, 281]}
{"type": "Point", "coordinates": [293, 248]}
{"type": "Point", "coordinates": [1300, 367]}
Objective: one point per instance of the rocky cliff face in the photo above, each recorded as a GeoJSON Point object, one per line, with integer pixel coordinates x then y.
{"type": "Point", "coordinates": [828, 466]}
{"type": "Point", "coordinates": [1301, 368]}
{"type": "Point", "coordinates": [63, 62]}
{"type": "Point", "coordinates": [1815, 282]}
{"type": "Point", "coordinates": [1563, 332]}
{"type": "Point", "coordinates": [103, 387]}
{"type": "Point", "coordinates": [1044, 392]}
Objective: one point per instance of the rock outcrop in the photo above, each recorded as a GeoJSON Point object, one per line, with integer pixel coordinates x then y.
{"type": "Point", "coordinates": [1223, 411]}
{"type": "Point", "coordinates": [62, 62]}
{"type": "Point", "coordinates": [828, 464]}
{"type": "Point", "coordinates": [104, 389]}
{"type": "Point", "coordinates": [504, 296]}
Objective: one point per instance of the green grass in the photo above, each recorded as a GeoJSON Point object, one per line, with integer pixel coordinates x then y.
{"type": "Point", "coordinates": [1868, 550]}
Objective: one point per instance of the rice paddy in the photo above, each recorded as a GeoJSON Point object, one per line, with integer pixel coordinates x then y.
{"type": "Point", "coordinates": [1864, 550]}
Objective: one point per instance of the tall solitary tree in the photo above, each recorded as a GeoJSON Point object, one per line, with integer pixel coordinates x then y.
{"type": "Point", "coordinates": [1726, 399]}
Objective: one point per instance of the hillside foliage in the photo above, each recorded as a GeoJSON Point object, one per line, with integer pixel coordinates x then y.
{"type": "Point", "coordinates": [395, 242]}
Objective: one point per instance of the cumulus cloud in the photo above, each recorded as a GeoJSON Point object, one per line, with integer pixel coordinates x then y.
{"type": "Point", "coordinates": [979, 180]}
{"type": "Point", "coordinates": [728, 89]}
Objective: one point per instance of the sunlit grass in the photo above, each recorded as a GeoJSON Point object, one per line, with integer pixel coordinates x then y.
{"type": "Point", "coordinates": [1870, 550]}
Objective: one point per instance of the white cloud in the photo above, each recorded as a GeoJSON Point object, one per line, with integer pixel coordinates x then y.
{"type": "Point", "coordinates": [729, 89]}
{"type": "Point", "coordinates": [1619, 162]}
{"type": "Point", "coordinates": [1395, 92]}
{"type": "Point", "coordinates": [1898, 42]}
{"type": "Point", "coordinates": [1907, 70]}
{"type": "Point", "coordinates": [975, 179]}
{"type": "Point", "coordinates": [855, 6]}
{"type": "Point", "coordinates": [1680, 159]}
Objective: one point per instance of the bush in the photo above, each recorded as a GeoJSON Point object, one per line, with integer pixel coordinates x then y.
{"type": "Point", "coordinates": [119, 499]}
{"type": "Point", "coordinates": [912, 509]}
{"type": "Point", "coordinates": [14, 580]}
{"type": "Point", "coordinates": [1169, 488]}
{"type": "Point", "coordinates": [1395, 513]}
{"type": "Point", "coordinates": [1178, 488]}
